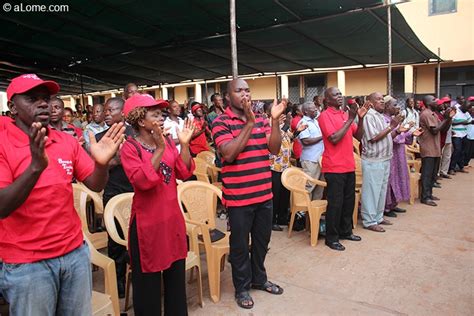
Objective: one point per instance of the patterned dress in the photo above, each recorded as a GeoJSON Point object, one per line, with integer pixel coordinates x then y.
{"type": "Point", "coordinates": [398, 188]}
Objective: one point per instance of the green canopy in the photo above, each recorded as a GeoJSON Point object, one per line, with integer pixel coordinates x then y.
{"type": "Point", "coordinates": [106, 43]}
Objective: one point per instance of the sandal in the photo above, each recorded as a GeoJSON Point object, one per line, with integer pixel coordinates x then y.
{"type": "Point", "coordinates": [375, 228]}
{"type": "Point", "coordinates": [244, 300]}
{"type": "Point", "coordinates": [269, 287]}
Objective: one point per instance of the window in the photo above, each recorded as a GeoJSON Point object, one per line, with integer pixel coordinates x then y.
{"type": "Point", "coordinates": [190, 92]}
{"type": "Point", "coordinates": [442, 6]}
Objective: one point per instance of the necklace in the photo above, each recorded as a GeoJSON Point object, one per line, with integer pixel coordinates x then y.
{"type": "Point", "coordinates": [147, 147]}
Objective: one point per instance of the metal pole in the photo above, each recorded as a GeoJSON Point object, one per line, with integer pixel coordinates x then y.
{"type": "Point", "coordinates": [389, 27]}
{"type": "Point", "coordinates": [205, 92]}
{"type": "Point", "coordinates": [233, 40]}
{"type": "Point", "coordinates": [82, 94]}
{"type": "Point", "coordinates": [438, 85]}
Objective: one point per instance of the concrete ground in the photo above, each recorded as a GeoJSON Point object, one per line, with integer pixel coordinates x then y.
{"type": "Point", "coordinates": [422, 265]}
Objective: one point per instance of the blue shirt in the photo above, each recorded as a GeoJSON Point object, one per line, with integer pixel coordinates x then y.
{"type": "Point", "coordinates": [313, 152]}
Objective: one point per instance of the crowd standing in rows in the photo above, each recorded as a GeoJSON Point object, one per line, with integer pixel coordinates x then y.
{"type": "Point", "coordinates": [45, 147]}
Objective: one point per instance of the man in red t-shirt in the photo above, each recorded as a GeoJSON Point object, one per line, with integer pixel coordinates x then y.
{"type": "Point", "coordinates": [46, 266]}
{"type": "Point", "coordinates": [199, 140]}
{"type": "Point", "coordinates": [338, 165]}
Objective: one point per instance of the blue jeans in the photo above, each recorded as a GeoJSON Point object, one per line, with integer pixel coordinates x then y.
{"type": "Point", "coordinates": [58, 286]}
{"type": "Point", "coordinates": [374, 190]}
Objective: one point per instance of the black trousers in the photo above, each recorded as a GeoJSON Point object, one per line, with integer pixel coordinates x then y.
{"type": "Point", "coordinates": [457, 158]}
{"type": "Point", "coordinates": [256, 220]}
{"type": "Point", "coordinates": [429, 169]}
{"type": "Point", "coordinates": [147, 286]}
{"type": "Point", "coordinates": [281, 199]}
{"type": "Point", "coordinates": [341, 199]}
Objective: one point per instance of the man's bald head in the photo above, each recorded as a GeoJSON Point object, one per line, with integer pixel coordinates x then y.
{"type": "Point", "coordinates": [333, 97]}
{"type": "Point", "coordinates": [238, 92]}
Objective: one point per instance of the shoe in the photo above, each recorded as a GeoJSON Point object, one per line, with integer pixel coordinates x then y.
{"type": "Point", "coordinates": [385, 222]}
{"type": "Point", "coordinates": [335, 245]}
{"type": "Point", "coordinates": [277, 228]}
{"type": "Point", "coordinates": [429, 202]}
{"type": "Point", "coordinates": [445, 176]}
{"type": "Point", "coordinates": [351, 237]}
{"type": "Point", "coordinates": [375, 228]}
{"type": "Point", "coordinates": [390, 214]}
{"type": "Point", "coordinates": [437, 185]}
{"type": "Point", "coordinates": [451, 172]}
{"type": "Point", "coordinates": [434, 198]}
{"type": "Point", "coordinates": [399, 210]}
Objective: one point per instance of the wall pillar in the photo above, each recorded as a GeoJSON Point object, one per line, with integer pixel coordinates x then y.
{"type": "Point", "coordinates": [341, 81]}
{"type": "Point", "coordinates": [409, 79]}
{"type": "Point", "coordinates": [90, 101]}
{"type": "Point", "coordinates": [197, 92]}
{"type": "Point", "coordinates": [284, 86]}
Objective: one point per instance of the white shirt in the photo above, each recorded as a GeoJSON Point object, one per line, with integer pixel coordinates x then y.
{"type": "Point", "coordinates": [169, 123]}
{"type": "Point", "coordinates": [411, 115]}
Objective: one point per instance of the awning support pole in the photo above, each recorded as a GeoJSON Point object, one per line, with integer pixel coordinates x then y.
{"type": "Point", "coordinates": [82, 94]}
{"type": "Point", "coordinates": [389, 29]}
{"type": "Point", "coordinates": [233, 40]}
{"type": "Point", "coordinates": [438, 85]}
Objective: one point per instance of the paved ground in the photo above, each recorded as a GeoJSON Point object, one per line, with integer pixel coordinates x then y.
{"type": "Point", "coordinates": [422, 265]}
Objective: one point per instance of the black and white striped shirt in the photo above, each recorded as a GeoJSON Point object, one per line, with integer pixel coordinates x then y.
{"type": "Point", "coordinates": [374, 123]}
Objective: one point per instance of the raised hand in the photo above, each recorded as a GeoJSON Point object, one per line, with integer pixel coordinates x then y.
{"type": "Point", "coordinates": [38, 138]}
{"type": "Point", "coordinates": [249, 115]}
{"type": "Point", "coordinates": [105, 149]}
{"type": "Point", "coordinates": [396, 120]}
{"type": "Point", "coordinates": [449, 113]}
{"type": "Point", "coordinates": [157, 135]}
{"type": "Point", "coordinates": [418, 132]}
{"type": "Point", "coordinates": [278, 109]}
{"type": "Point", "coordinates": [186, 134]}
{"type": "Point", "coordinates": [362, 111]}
{"type": "Point", "coordinates": [406, 127]}
{"type": "Point", "coordinates": [352, 110]}
{"type": "Point", "coordinates": [301, 127]}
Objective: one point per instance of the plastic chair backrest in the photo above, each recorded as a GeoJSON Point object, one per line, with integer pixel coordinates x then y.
{"type": "Point", "coordinates": [201, 170]}
{"type": "Point", "coordinates": [200, 200]}
{"type": "Point", "coordinates": [208, 156]}
{"type": "Point", "coordinates": [81, 195]}
{"type": "Point", "coordinates": [120, 208]}
{"type": "Point", "coordinates": [294, 179]}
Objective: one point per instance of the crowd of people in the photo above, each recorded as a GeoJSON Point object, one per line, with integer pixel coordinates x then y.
{"type": "Point", "coordinates": [140, 144]}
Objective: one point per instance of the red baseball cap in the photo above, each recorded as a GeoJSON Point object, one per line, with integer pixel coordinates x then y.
{"type": "Point", "coordinates": [470, 99]}
{"type": "Point", "coordinates": [351, 101]}
{"type": "Point", "coordinates": [26, 82]}
{"type": "Point", "coordinates": [443, 100]}
{"type": "Point", "coordinates": [143, 100]}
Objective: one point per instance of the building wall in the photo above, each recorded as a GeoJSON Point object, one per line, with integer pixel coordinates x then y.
{"type": "Point", "coordinates": [262, 88]}
{"type": "Point", "coordinates": [180, 94]}
{"type": "Point", "coordinates": [452, 32]}
{"type": "Point", "coordinates": [332, 79]}
{"type": "Point", "coordinates": [364, 82]}
{"type": "Point", "coordinates": [425, 79]}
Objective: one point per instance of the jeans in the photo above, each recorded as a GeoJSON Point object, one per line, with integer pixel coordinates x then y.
{"type": "Point", "coordinates": [374, 190]}
{"type": "Point", "coordinates": [256, 220]}
{"type": "Point", "coordinates": [341, 199]}
{"type": "Point", "coordinates": [57, 286]}
{"type": "Point", "coordinates": [457, 159]}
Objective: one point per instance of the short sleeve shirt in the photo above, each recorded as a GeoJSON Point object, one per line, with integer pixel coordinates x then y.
{"type": "Point", "coordinates": [313, 152]}
{"type": "Point", "coordinates": [374, 124]}
{"type": "Point", "coordinates": [460, 130]}
{"type": "Point", "coordinates": [46, 225]}
{"type": "Point", "coordinates": [337, 158]}
{"type": "Point", "coordinates": [246, 180]}
{"type": "Point", "coordinates": [429, 143]}
{"type": "Point", "coordinates": [169, 123]}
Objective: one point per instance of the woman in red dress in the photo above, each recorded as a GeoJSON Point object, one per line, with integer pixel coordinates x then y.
{"type": "Point", "coordinates": [157, 233]}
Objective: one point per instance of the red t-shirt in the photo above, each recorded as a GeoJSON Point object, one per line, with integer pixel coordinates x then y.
{"type": "Point", "coordinates": [4, 120]}
{"type": "Point", "coordinates": [160, 224]}
{"type": "Point", "coordinates": [337, 158]}
{"type": "Point", "coordinates": [297, 147]}
{"type": "Point", "coordinates": [246, 180]}
{"type": "Point", "coordinates": [199, 143]}
{"type": "Point", "coordinates": [46, 225]}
